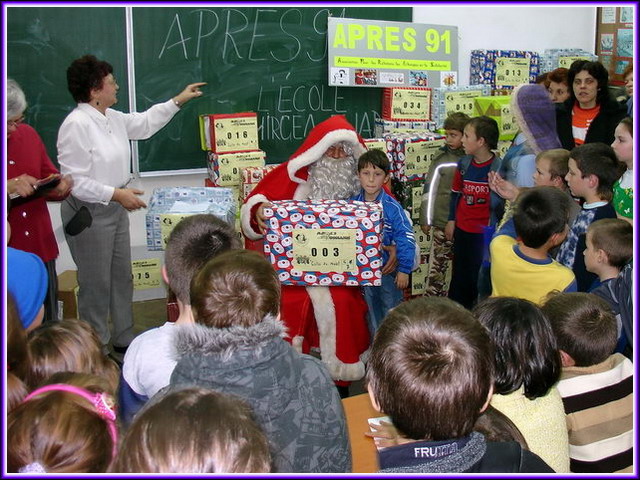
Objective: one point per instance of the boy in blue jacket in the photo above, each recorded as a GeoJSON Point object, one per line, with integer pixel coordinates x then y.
{"type": "Point", "coordinates": [373, 172]}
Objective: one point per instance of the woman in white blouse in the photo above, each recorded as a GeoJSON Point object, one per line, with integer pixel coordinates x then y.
{"type": "Point", "coordinates": [93, 147]}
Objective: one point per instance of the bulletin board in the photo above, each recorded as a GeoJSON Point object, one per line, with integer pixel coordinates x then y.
{"type": "Point", "coordinates": [614, 40]}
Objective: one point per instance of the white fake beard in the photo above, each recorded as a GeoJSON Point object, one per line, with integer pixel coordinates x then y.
{"type": "Point", "coordinates": [333, 179]}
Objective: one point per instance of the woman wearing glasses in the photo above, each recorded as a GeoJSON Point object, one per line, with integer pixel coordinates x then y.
{"type": "Point", "coordinates": [94, 148]}
{"type": "Point", "coordinates": [28, 162]}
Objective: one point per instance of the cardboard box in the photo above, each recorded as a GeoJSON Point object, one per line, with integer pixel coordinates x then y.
{"type": "Point", "coordinates": [406, 103]}
{"type": "Point", "coordinates": [325, 243]}
{"type": "Point", "coordinates": [225, 133]}
{"type": "Point", "coordinates": [563, 57]}
{"type": "Point", "coordinates": [410, 154]}
{"type": "Point", "coordinates": [250, 177]}
{"type": "Point", "coordinates": [384, 126]}
{"type": "Point", "coordinates": [457, 98]}
{"type": "Point", "coordinates": [504, 68]}
{"type": "Point", "coordinates": [169, 205]}
{"type": "Point", "coordinates": [68, 293]}
{"type": "Point", "coordinates": [225, 169]}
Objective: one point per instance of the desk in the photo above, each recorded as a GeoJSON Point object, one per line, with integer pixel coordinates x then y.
{"type": "Point", "coordinates": [358, 410]}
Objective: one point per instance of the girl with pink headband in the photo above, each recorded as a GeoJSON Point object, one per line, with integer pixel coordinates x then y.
{"type": "Point", "coordinates": [63, 428]}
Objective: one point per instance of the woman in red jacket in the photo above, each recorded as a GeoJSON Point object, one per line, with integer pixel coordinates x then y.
{"type": "Point", "coordinates": [28, 162]}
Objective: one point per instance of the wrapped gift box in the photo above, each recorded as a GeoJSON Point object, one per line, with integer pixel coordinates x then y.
{"type": "Point", "coordinates": [406, 103]}
{"type": "Point", "coordinates": [225, 133]}
{"type": "Point", "coordinates": [225, 169]}
{"type": "Point", "coordinates": [384, 126]}
{"type": "Point", "coordinates": [250, 177]}
{"type": "Point", "coordinates": [325, 243]}
{"type": "Point", "coordinates": [376, 144]}
{"type": "Point", "coordinates": [498, 108]}
{"type": "Point", "coordinates": [504, 68]}
{"type": "Point", "coordinates": [169, 205]}
{"type": "Point", "coordinates": [457, 98]}
{"type": "Point", "coordinates": [409, 195]}
{"type": "Point", "coordinates": [563, 57]}
{"type": "Point", "coordinates": [411, 154]}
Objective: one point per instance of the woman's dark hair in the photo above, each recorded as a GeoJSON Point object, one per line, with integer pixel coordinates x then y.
{"type": "Point", "coordinates": [526, 352]}
{"type": "Point", "coordinates": [597, 71]}
{"type": "Point", "coordinates": [85, 74]}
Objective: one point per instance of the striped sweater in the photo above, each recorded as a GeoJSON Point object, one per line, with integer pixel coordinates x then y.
{"type": "Point", "coordinates": [598, 401]}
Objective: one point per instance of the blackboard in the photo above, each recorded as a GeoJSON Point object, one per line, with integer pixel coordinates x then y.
{"type": "Point", "coordinates": [264, 59]}
{"type": "Point", "coordinates": [43, 41]}
{"type": "Point", "coordinates": [268, 60]}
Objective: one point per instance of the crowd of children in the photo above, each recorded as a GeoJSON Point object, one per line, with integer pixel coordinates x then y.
{"type": "Point", "coordinates": [536, 378]}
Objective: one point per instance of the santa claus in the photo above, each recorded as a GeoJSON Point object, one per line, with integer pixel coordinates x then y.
{"type": "Point", "coordinates": [329, 318]}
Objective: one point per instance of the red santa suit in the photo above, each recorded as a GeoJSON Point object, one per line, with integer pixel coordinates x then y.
{"type": "Point", "coordinates": [331, 318]}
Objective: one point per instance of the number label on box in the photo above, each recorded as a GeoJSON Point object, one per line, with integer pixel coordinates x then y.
{"type": "Point", "coordinates": [146, 273]}
{"type": "Point", "coordinates": [235, 134]}
{"type": "Point", "coordinates": [324, 250]}
{"type": "Point", "coordinates": [511, 72]}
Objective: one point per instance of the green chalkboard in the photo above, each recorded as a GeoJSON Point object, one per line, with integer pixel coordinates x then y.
{"type": "Point", "coordinates": [43, 41]}
{"type": "Point", "coordinates": [268, 60]}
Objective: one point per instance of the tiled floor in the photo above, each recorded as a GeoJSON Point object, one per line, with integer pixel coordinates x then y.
{"type": "Point", "coordinates": [153, 313]}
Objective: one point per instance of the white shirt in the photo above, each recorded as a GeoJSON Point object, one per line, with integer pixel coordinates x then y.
{"type": "Point", "coordinates": [94, 148]}
{"type": "Point", "coordinates": [149, 361]}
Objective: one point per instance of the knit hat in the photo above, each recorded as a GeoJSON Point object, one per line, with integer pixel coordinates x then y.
{"type": "Point", "coordinates": [327, 133]}
{"type": "Point", "coordinates": [27, 281]}
{"type": "Point", "coordinates": [536, 116]}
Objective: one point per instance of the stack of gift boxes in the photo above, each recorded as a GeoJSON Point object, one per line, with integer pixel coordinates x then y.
{"type": "Point", "coordinates": [234, 159]}
{"type": "Point", "coordinates": [407, 134]}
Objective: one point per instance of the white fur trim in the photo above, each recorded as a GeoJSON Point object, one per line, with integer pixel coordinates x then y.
{"type": "Point", "coordinates": [245, 216]}
{"type": "Point", "coordinates": [314, 153]}
{"type": "Point", "coordinates": [296, 343]}
{"type": "Point", "coordinates": [302, 192]}
{"type": "Point", "coordinates": [325, 314]}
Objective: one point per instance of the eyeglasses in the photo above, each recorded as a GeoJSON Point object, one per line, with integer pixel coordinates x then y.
{"type": "Point", "coordinates": [340, 150]}
{"type": "Point", "coordinates": [16, 122]}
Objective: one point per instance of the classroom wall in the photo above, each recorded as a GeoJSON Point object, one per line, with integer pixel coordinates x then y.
{"type": "Point", "coordinates": [479, 27]}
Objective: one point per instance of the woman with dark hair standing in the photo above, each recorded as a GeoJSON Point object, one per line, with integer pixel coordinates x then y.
{"type": "Point", "coordinates": [93, 147]}
{"type": "Point", "coordinates": [590, 114]}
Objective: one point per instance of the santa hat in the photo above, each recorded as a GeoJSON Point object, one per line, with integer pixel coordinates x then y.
{"type": "Point", "coordinates": [333, 130]}
{"type": "Point", "coordinates": [536, 116]}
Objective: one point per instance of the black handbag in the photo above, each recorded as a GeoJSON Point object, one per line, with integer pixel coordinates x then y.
{"type": "Point", "coordinates": [81, 220]}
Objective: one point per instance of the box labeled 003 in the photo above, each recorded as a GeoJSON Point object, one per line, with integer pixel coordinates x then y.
{"type": "Point", "coordinates": [325, 243]}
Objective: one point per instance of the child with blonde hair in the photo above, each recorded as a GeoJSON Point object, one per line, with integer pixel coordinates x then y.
{"type": "Point", "coordinates": [194, 430]}
{"type": "Point", "coordinates": [63, 428]}
{"type": "Point", "coordinates": [67, 346]}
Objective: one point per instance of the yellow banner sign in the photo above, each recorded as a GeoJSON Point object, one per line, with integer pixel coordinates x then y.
{"type": "Point", "coordinates": [392, 63]}
{"type": "Point", "coordinates": [324, 250]}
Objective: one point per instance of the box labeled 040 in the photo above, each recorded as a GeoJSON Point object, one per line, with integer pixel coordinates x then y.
{"type": "Point", "coordinates": [325, 243]}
